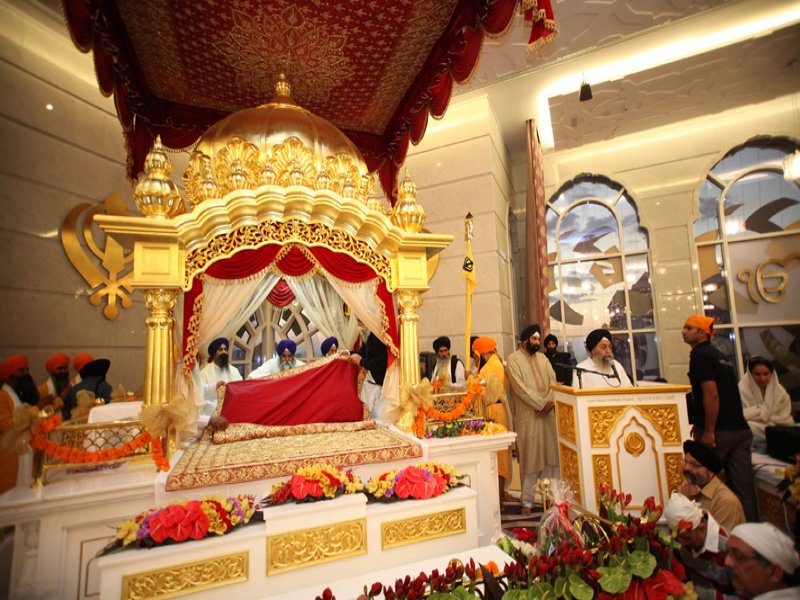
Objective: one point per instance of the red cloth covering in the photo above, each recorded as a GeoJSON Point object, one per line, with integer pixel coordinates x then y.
{"type": "Point", "coordinates": [327, 394]}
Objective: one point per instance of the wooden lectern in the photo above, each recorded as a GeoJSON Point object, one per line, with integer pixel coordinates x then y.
{"type": "Point", "coordinates": [630, 439]}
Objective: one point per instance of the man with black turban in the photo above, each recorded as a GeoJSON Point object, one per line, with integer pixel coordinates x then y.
{"type": "Point", "coordinates": [558, 359]}
{"type": "Point", "coordinates": [448, 368]}
{"type": "Point", "coordinates": [599, 347]}
{"type": "Point", "coordinates": [283, 362]}
{"type": "Point", "coordinates": [530, 376]}
{"type": "Point", "coordinates": [218, 371]}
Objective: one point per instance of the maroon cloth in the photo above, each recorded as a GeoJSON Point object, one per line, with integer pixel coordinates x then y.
{"type": "Point", "coordinates": [327, 394]}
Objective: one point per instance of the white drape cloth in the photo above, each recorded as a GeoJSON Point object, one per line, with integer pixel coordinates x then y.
{"type": "Point", "coordinates": [773, 408]}
{"type": "Point", "coordinates": [325, 308]}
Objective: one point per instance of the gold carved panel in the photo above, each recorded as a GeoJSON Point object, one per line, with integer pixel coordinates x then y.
{"type": "Point", "coordinates": [565, 421]}
{"type": "Point", "coordinates": [187, 578]}
{"type": "Point", "coordinates": [571, 470]}
{"type": "Point", "coordinates": [602, 421]}
{"type": "Point", "coordinates": [673, 467]}
{"type": "Point", "coordinates": [307, 547]}
{"type": "Point", "coordinates": [423, 527]}
{"type": "Point", "coordinates": [601, 467]}
{"type": "Point", "coordinates": [664, 418]}
{"type": "Point", "coordinates": [773, 510]}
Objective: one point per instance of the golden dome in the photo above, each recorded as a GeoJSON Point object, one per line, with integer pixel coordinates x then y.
{"type": "Point", "coordinates": [278, 143]}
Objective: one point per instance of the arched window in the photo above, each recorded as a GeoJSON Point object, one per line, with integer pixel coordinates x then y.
{"type": "Point", "coordinates": [748, 256]}
{"type": "Point", "coordinates": [599, 272]}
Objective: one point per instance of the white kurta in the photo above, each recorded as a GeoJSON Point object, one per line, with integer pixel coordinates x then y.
{"type": "Point", "coordinates": [529, 386]}
{"type": "Point", "coordinates": [773, 408]}
{"type": "Point", "coordinates": [212, 374]}
{"type": "Point", "coordinates": [271, 367]}
{"type": "Point", "coordinates": [592, 381]}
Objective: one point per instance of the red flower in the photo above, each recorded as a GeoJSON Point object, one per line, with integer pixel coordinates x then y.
{"type": "Point", "coordinates": [661, 585]}
{"type": "Point", "coordinates": [678, 569]}
{"type": "Point", "coordinates": [523, 534]}
{"type": "Point", "coordinates": [333, 480]}
{"type": "Point", "coordinates": [418, 483]}
{"type": "Point", "coordinates": [302, 487]}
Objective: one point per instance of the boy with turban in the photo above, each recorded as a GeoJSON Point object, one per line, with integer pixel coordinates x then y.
{"type": "Point", "coordinates": [283, 362]}
{"type": "Point", "coordinates": [608, 372]}
{"type": "Point", "coordinates": [530, 377]}
{"type": "Point", "coordinates": [329, 346]}
{"type": "Point", "coordinates": [715, 410]}
{"type": "Point", "coordinates": [762, 562]}
{"type": "Point", "coordinates": [558, 360]}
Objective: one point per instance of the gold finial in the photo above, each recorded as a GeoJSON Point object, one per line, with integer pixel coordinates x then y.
{"type": "Point", "coordinates": [408, 213]}
{"type": "Point", "coordinates": [468, 227]}
{"type": "Point", "coordinates": [208, 188]}
{"type": "Point", "coordinates": [155, 194]}
{"type": "Point", "coordinates": [283, 91]}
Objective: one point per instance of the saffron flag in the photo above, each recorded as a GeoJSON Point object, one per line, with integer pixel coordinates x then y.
{"type": "Point", "coordinates": [468, 270]}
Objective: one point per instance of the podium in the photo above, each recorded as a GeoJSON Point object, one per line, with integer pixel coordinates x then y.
{"type": "Point", "coordinates": [630, 439]}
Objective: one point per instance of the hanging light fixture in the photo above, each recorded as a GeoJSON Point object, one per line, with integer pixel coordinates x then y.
{"type": "Point", "coordinates": [791, 167]}
{"type": "Point", "coordinates": [586, 92]}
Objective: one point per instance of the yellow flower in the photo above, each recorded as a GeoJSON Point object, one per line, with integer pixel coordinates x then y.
{"type": "Point", "coordinates": [127, 532]}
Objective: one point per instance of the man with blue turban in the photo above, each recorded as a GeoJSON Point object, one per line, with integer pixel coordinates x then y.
{"type": "Point", "coordinates": [217, 372]}
{"type": "Point", "coordinates": [329, 347]}
{"type": "Point", "coordinates": [283, 362]}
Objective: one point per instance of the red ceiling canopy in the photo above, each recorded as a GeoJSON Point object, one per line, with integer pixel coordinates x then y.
{"type": "Point", "coordinates": [374, 68]}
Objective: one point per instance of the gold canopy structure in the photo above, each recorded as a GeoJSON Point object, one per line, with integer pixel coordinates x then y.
{"type": "Point", "coordinates": [271, 174]}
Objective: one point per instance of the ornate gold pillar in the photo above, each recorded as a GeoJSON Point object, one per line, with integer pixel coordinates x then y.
{"type": "Point", "coordinates": [409, 301]}
{"type": "Point", "coordinates": [158, 371]}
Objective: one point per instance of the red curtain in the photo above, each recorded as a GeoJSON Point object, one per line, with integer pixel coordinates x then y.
{"type": "Point", "coordinates": [281, 295]}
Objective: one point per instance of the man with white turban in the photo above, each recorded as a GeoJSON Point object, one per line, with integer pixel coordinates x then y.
{"type": "Point", "coordinates": [283, 362]}
{"type": "Point", "coordinates": [763, 562]}
{"type": "Point", "coordinates": [703, 546]}
{"type": "Point", "coordinates": [600, 349]}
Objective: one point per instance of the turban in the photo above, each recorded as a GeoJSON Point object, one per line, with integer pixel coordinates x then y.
{"type": "Point", "coordinates": [702, 323]}
{"type": "Point", "coordinates": [441, 341]}
{"type": "Point", "coordinates": [215, 345]}
{"type": "Point", "coordinates": [286, 345]}
{"type": "Point", "coordinates": [704, 455]}
{"type": "Point", "coordinates": [771, 543]}
{"type": "Point", "coordinates": [56, 361]}
{"type": "Point", "coordinates": [680, 508]}
{"type": "Point", "coordinates": [328, 344]}
{"type": "Point", "coordinates": [595, 337]}
{"type": "Point", "coordinates": [484, 344]}
{"type": "Point", "coordinates": [96, 368]}
{"type": "Point", "coordinates": [529, 331]}
{"type": "Point", "coordinates": [81, 361]}
{"type": "Point", "coordinates": [550, 338]}
{"type": "Point", "coordinates": [13, 363]}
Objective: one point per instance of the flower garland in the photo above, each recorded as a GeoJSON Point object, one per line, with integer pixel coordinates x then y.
{"type": "Point", "coordinates": [464, 428]}
{"type": "Point", "coordinates": [426, 480]}
{"type": "Point", "coordinates": [473, 390]}
{"type": "Point", "coordinates": [180, 521]}
{"type": "Point", "coordinates": [72, 455]}
{"type": "Point", "coordinates": [314, 482]}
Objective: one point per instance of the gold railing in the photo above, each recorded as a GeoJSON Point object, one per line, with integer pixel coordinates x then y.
{"type": "Point", "coordinates": [448, 401]}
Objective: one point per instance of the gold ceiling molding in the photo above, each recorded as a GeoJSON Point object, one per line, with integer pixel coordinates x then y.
{"type": "Point", "coordinates": [423, 528]}
{"type": "Point", "coordinates": [187, 578]}
{"type": "Point", "coordinates": [102, 272]}
{"type": "Point", "coordinates": [307, 547]}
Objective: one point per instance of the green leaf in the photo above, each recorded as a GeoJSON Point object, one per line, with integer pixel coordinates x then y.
{"type": "Point", "coordinates": [614, 580]}
{"type": "Point", "coordinates": [559, 586]}
{"type": "Point", "coordinates": [579, 589]}
{"type": "Point", "coordinates": [515, 595]}
{"type": "Point", "coordinates": [642, 564]}
{"type": "Point", "coordinates": [462, 593]}
{"type": "Point", "coordinates": [506, 546]}
{"type": "Point", "coordinates": [541, 591]}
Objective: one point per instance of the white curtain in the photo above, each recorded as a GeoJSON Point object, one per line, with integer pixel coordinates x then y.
{"type": "Point", "coordinates": [325, 308]}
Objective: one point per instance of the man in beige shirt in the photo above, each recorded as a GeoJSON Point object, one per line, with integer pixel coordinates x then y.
{"type": "Point", "coordinates": [701, 466]}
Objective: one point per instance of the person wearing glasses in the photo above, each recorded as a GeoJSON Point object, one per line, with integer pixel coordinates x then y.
{"type": "Point", "coordinates": [764, 400]}
{"type": "Point", "coordinates": [762, 562]}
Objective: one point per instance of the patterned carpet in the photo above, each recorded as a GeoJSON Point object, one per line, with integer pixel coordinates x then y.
{"type": "Point", "coordinates": [512, 516]}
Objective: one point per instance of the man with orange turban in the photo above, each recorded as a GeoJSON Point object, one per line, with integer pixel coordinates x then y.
{"type": "Point", "coordinates": [80, 361]}
{"type": "Point", "coordinates": [498, 410]}
{"type": "Point", "coordinates": [715, 410]}
{"type": "Point", "coordinates": [530, 375]}
{"type": "Point", "coordinates": [56, 387]}
{"type": "Point", "coordinates": [15, 373]}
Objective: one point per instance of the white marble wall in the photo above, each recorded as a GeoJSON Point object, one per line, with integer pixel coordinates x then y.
{"type": "Point", "coordinates": [51, 161]}
{"type": "Point", "coordinates": [461, 166]}
{"type": "Point", "coordinates": [663, 170]}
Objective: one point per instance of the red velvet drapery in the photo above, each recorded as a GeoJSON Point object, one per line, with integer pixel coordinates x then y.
{"type": "Point", "coordinates": [296, 261]}
{"type": "Point", "coordinates": [281, 295]}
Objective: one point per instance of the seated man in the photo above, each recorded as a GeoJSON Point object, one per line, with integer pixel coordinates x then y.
{"type": "Point", "coordinates": [762, 562]}
{"type": "Point", "coordinates": [608, 372]}
{"type": "Point", "coordinates": [93, 379]}
{"type": "Point", "coordinates": [56, 387]}
{"type": "Point", "coordinates": [701, 466]}
{"type": "Point", "coordinates": [703, 546]}
{"type": "Point", "coordinates": [448, 368]}
{"type": "Point", "coordinates": [218, 371]}
{"type": "Point", "coordinates": [283, 362]}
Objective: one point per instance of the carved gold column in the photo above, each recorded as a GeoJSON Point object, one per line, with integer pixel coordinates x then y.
{"type": "Point", "coordinates": [158, 371]}
{"type": "Point", "coordinates": [409, 301]}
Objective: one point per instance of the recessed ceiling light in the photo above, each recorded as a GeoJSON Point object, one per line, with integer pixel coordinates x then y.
{"type": "Point", "coordinates": [49, 106]}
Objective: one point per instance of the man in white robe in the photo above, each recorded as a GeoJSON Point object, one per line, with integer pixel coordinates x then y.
{"type": "Point", "coordinates": [600, 359]}
{"type": "Point", "coordinates": [218, 371]}
{"type": "Point", "coordinates": [530, 376]}
{"type": "Point", "coordinates": [283, 362]}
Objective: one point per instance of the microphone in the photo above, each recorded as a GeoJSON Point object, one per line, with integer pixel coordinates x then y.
{"type": "Point", "coordinates": [614, 369]}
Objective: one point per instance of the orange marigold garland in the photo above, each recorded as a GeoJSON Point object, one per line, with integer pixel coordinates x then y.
{"type": "Point", "coordinates": [70, 454]}
{"type": "Point", "coordinates": [438, 415]}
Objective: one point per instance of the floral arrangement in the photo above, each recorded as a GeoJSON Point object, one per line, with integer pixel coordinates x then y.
{"type": "Point", "coordinates": [462, 428]}
{"type": "Point", "coordinates": [314, 482]}
{"type": "Point", "coordinates": [73, 455]}
{"type": "Point", "coordinates": [181, 521]}
{"type": "Point", "coordinates": [790, 484]}
{"type": "Point", "coordinates": [426, 480]}
{"type": "Point", "coordinates": [629, 558]}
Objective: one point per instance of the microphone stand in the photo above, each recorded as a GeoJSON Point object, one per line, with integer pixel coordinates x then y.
{"type": "Point", "coordinates": [580, 371]}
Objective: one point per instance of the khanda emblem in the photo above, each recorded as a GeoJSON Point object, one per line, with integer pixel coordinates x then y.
{"type": "Point", "coordinates": [468, 265]}
{"type": "Point", "coordinates": [104, 278]}
{"type": "Point", "coordinates": [772, 270]}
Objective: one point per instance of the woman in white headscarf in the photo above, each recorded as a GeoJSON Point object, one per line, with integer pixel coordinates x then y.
{"type": "Point", "coordinates": [764, 400]}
